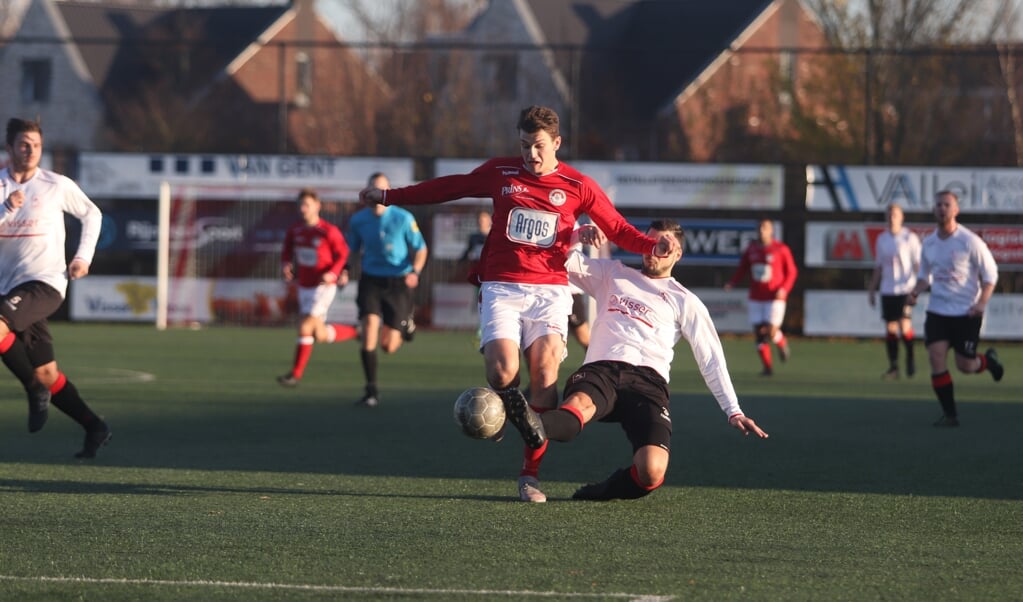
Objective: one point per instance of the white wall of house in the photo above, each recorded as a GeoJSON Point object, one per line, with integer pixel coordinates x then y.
{"type": "Point", "coordinates": [71, 113]}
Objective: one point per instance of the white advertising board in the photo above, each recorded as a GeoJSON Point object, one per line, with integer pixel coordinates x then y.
{"type": "Point", "coordinates": [121, 175]}
{"type": "Point", "coordinates": [872, 189]}
{"type": "Point", "coordinates": [193, 300]}
{"type": "Point", "coordinates": [847, 313]}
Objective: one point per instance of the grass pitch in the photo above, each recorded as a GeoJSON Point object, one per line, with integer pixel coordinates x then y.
{"type": "Point", "coordinates": [219, 484]}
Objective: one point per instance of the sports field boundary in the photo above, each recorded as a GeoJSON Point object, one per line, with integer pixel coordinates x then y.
{"type": "Point", "coordinates": [346, 589]}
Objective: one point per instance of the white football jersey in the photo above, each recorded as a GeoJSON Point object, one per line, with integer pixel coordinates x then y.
{"type": "Point", "coordinates": [956, 267]}
{"type": "Point", "coordinates": [639, 320]}
{"type": "Point", "coordinates": [32, 236]}
{"type": "Point", "coordinates": [898, 256]}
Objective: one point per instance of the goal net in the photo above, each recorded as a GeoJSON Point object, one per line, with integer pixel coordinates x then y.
{"type": "Point", "coordinates": [219, 254]}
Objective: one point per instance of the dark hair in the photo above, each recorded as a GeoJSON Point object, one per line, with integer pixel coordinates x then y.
{"type": "Point", "coordinates": [17, 126]}
{"type": "Point", "coordinates": [307, 192]}
{"type": "Point", "coordinates": [535, 118]}
{"type": "Point", "coordinates": [670, 225]}
{"type": "Point", "coordinates": [375, 175]}
{"type": "Point", "coordinates": [955, 197]}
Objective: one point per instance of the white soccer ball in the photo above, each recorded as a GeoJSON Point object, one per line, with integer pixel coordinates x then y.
{"type": "Point", "coordinates": [479, 412]}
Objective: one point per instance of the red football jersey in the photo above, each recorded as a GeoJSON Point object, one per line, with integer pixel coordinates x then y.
{"type": "Point", "coordinates": [533, 217]}
{"type": "Point", "coordinates": [770, 268]}
{"type": "Point", "coordinates": [314, 251]}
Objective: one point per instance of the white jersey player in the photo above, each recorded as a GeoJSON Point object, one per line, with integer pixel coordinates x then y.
{"type": "Point", "coordinates": [34, 277]}
{"type": "Point", "coordinates": [961, 273]}
{"type": "Point", "coordinates": [896, 262]}
{"type": "Point", "coordinates": [641, 315]}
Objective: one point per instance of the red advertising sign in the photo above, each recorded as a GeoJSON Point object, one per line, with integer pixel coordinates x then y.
{"type": "Point", "coordinates": [852, 245]}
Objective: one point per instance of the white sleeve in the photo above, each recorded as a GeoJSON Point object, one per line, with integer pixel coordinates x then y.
{"type": "Point", "coordinates": [583, 271]}
{"type": "Point", "coordinates": [988, 267]}
{"type": "Point", "coordinates": [698, 329]}
{"type": "Point", "coordinates": [79, 205]}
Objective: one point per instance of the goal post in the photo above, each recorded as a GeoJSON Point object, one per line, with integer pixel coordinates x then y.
{"type": "Point", "coordinates": [162, 254]}
{"type": "Point", "coordinates": [219, 254]}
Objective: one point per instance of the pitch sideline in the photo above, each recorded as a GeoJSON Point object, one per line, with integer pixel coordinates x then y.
{"type": "Point", "coordinates": [334, 588]}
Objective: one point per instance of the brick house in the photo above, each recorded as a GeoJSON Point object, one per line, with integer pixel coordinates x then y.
{"type": "Point", "coordinates": [640, 79]}
{"type": "Point", "coordinates": [127, 76]}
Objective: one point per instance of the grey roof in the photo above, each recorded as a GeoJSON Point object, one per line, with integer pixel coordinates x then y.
{"type": "Point", "coordinates": [654, 47]}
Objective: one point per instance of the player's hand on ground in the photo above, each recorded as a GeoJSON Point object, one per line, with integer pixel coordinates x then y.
{"type": "Point", "coordinates": [77, 269]}
{"type": "Point", "coordinates": [370, 196]}
{"type": "Point", "coordinates": [746, 425]}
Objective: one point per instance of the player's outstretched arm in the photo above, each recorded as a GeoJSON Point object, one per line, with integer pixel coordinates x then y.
{"type": "Point", "coordinates": [746, 425]}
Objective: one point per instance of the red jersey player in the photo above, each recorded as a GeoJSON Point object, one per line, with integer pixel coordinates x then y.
{"type": "Point", "coordinates": [524, 295]}
{"type": "Point", "coordinates": [314, 255]}
{"type": "Point", "coordinates": [772, 273]}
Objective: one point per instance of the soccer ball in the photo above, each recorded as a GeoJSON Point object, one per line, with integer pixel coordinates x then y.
{"type": "Point", "coordinates": [479, 412]}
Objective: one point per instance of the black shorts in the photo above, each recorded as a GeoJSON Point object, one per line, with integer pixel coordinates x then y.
{"type": "Point", "coordinates": [961, 332]}
{"type": "Point", "coordinates": [389, 298]}
{"type": "Point", "coordinates": [25, 310]}
{"type": "Point", "coordinates": [895, 308]}
{"type": "Point", "coordinates": [634, 396]}
{"type": "Point", "coordinates": [580, 313]}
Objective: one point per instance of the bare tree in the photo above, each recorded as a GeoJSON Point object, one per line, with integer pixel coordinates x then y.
{"type": "Point", "coordinates": [904, 48]}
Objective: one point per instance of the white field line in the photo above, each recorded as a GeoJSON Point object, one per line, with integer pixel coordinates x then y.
{"type": "Point", "coordinates": [116, 376]}
{"type": "Point", "coordinates": [335, 588]}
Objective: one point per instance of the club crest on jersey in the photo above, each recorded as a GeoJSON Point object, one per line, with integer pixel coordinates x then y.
{"type": "Point", "coordinates": [557, 197]}
{"type": "Point", "coordinates": [315, 241]}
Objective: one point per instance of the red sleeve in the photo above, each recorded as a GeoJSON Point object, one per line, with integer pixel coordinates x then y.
{"type": "Point", "coordinates": [441, 190]}
{"type": "Point", "coordinates": [339, 250]}
{"type": "Point", "coordinates": [743, 268]}
{"type": "Point", "coordinates": [790, 270]}
{"type": "Point", "coordinates": [617, 229]}
{"type": "Point", "coordinates": [288, 248]}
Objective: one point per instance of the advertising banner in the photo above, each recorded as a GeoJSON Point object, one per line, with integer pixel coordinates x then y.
{"type": "Point", "coordinates": [872, 189]}
{"type": "Point", "coordinates": [671, 185]}
{"type": "Point", "coordinates": [197, 300]}
{"type": "Point", "coordinates": [138, 175]}
{"type": "Point", "coordinates": [847, 313]}
{"type": "Point", "coordinates": [707, 242]}
{"type": "Point", "coordinates": [848, 244]}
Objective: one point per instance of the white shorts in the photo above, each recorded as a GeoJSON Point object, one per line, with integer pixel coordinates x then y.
{"type": "Point", "coordinates": [523, 312]}
{"type": "Point", "coordinates": [770, 312]}
{"type": "Point", "coordinates": [315, 301]}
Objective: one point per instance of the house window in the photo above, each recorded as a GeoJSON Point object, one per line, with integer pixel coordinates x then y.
{"type": "Point", "coordinates": [303, 79]}
{"type": "Point", "coordinates": [505, 75]}
{"type": "Point", "coordinates": [35, 80]}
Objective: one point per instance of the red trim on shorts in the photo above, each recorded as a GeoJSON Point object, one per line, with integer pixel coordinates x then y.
{"type": "Point", "coordinates": [6, 342]}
